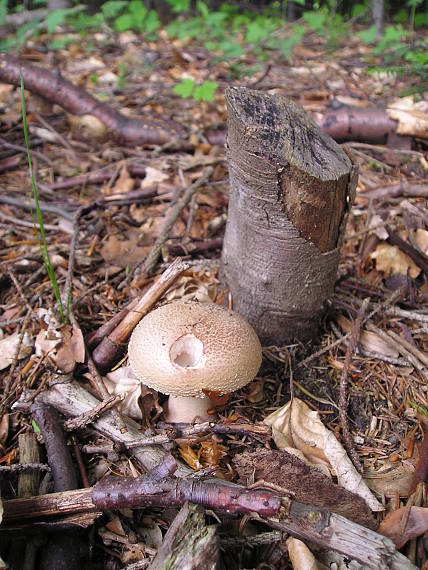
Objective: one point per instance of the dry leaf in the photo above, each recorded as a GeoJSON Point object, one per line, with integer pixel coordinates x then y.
{"type": "Point", "coordinates": [116, 526]}
{"type": "Point", "coordinates": [256, 391]}
{"type": "Point", "coordinates": [368, 340]}
{"type": "Point", "coordinates": [124, 252]}
{"type": "Point", "coordinates": [298, 426]}
{"type": "Point", "coordinates": [139, 400]}
{"type": "Point", "coordinates": [412, 116]}
{"type": "Point", "coordinates": [153, 176]}
{"type": "Point", "coordinates": [300, 555]}
{"type": "Point", "coordinates": [9, 346]}
{"type": "Point", "coordinates": [417, 524]}
{"type": "Point", "coordinates": [390, 260]}
{"type": "Point", "coordinates": [87, 127]}
{"type": "Point", "coordinates": [421, 239]}
{"type": "Point", "coordinates": [152, 535]}
{"type": "Point", "coordinates": [391, 480]}
{"type": "Point", "coordinates": [190, 457]}
{"type": "Point", "coordinates": [211, 452]}
{"type": "Point", "coordinates": [124, 183]}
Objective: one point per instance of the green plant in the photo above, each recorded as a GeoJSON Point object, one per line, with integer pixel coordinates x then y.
{"type": "Point", "coordinates": [203, 92]}
{"type": "Point", "coordinates": [39, 228]}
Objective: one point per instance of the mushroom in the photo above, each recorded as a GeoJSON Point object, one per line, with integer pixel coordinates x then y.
{"type": "Point", "coordinates": [185, 349]}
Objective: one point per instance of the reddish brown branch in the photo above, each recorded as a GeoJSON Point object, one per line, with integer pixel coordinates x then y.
{"type": "Point", "coordinates": [58, 90]}
{"type": "Point", "coordinates": [357, 124]}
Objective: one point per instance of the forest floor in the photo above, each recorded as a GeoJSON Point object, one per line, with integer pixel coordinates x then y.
{"type": "Point", "coordinates": [123, 195]}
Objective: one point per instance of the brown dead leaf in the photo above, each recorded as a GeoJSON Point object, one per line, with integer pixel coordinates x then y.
{"type": "Point", "coordinates": [116, 526]}
{"type": "Point", "coordinates": [190, 457]}
{"type": "Point", "coordinates": [4, 429]}
{"type": "Point", "coordinates": [124, 183]}
{"type": "Point", "coordinates": [153, 176]}
{"type": "Point", "coordinates": [87, 127]}
{"type": "Point", "coordinates": [211, 452]}
{"type": "Point", "coordinates": [256, 391]}
{"type": "Point", "coordinates": [9, 346]}
{"type": "Point", "coordinates": [124, 252]}
{"type": "Point", "coordinates": [390, 260]}
{"type": "Point", "coordinates": [391, 480]}
{"type": "Point", "coordinates": [368, 340]}
{"type": "Point", "coordinates": [417, 524]}
{"type": "Point", "coordinates": [295, 425]}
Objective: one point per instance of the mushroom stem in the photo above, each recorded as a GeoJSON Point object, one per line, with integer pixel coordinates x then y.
{"type": "Point", "coordinates": [187, 409]}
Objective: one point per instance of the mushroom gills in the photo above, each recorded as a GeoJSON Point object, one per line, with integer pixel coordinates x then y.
{"type": "Point", "coordinates": [187, 352]}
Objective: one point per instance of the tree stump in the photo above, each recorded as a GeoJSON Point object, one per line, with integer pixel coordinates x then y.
{"type": "Point", "coordinates": [291, 189]}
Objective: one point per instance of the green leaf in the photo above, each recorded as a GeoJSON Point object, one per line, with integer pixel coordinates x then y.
{"type": "Point", "coordinates": [61, 43]}
{"type": "Point", "coordinates": [3, 11]}
{"type": "Point", "coordinates": [368, 36]}
{"type": "Point", "coordinates": [231, 49]}
{"type": "Point", "coordinates": [35, 427]}
{"type": "Point", "coordinates": [124, 22]}
{"type": "Point", "coordinates": [358, 10]}
{"type": "Point", "coordinates": [315, 20]}
{"type": "Point", "coordinates": [113, 8]}
{"type": "Point", "coordinates": [185, 88]}
{"type": "Point", "coordinates": [205, 91]}
{"type": "Point", "coordinates": [56, 18]}
{"type": "Point", "coordinates": [202, 8]}
{"type": "Point", "coordinates": [152, 22]}
{"type": "Point", "coordinates": [287, 46]}
{"type": "Point", "coordinates": [179, 6]}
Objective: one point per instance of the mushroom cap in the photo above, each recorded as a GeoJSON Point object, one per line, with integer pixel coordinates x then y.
{"type": "Point", "coordinates": [184, 348]}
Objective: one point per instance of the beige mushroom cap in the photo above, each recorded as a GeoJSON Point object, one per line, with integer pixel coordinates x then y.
{"type": "Point", "coordinates": [184, 348]}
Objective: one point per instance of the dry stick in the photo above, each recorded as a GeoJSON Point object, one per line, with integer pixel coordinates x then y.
{"type": "Point", "coordinates": [343, 404]}
{"type": "Point", "coordinates": [152, 259]}
{"type": "Point", "coordinates": [112, 347]}
{"type": "Point", "coordinates": [66, 292]}
{"type": "Point", "coordinates": [62, 550]}
{"type": "Point", "coordinates": [20, 467]}
{"type": "Point", "coordinates": [83, 420]}
{"type": "Point", "coordinates": [391, 299]}
{"type": "Point", "coordinates": [159, 488]}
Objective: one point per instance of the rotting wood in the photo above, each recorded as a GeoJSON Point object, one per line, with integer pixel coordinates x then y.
{"type": "Point", "coordinates": [28, 483]}
{"type": "Point", "coordinates": [189, 544]}
{"type": "Point", "coordinates": [291, 188]}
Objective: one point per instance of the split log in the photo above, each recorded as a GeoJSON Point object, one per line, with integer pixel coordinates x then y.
{"type": "Point", "coordinates": [291, 189]}
{"type": "Point", "coordinates": [188, 544]}
{"type": "Point", "coordinates": [56, 89]}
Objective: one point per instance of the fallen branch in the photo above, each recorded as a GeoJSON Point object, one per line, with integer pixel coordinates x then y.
{"type": "Point", "coordinates": [56, 89]}
{"type": "Point", "coordinates": [302, 521]}
{"type": "Point", "coordinates": [112, 347]}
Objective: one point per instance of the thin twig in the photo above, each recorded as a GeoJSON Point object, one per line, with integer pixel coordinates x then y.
{"type": "Point", "coordinates": [343, 404]}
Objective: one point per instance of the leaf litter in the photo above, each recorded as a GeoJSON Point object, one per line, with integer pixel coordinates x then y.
{"type": "Point", "coordinates": [387, 390]}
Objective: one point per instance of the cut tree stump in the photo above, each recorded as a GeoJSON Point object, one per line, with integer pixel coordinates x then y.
{"type": "Point", "coordinates": [291, 189]}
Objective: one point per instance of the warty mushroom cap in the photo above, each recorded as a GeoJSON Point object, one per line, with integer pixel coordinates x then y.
{"type": "Point", "coordinates": [184, 348]}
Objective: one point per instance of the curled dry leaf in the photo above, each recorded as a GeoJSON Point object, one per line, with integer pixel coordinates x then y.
{"type": "Point", "coordinates": [87, 127]}
{"type": "Point", "coordinates": [139, 399]}
{"type": "Point", "coordinates": [9, 346]}
{"type": "Point", "coordinates": [391, 260]}
{"type": "Point", "coordinates": [153, 176]}
{"type": "Point", "coordinates": [62, 344]}
{"type": "Point", "coordinates": [368, 340]}
{"type": "Point", "coordinates": [124, 252]}
{"type": "Point", "coordinates": [392, 480]}
{"type": "Point", "coordinates": [123, 184]}
{"type": "Point", "coordinates": [298, 426]}
{"type": "Point", "coordinates": [417, 524]}
{"type": "Point", "coordinates": [300, 555]}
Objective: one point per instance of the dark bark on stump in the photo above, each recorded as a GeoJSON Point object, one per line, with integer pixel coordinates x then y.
{"type": "Point", "coordinates": [291, 188]}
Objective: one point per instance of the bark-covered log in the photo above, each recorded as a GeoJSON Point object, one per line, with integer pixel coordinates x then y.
{"type": "Point", "coordinates": [188, 544]}
{"type": "Point", "coordinates": [291, 188]}
{"type": "Point", "coordinates": [58, 90]}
